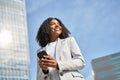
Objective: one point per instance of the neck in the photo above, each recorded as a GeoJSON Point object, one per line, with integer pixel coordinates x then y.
{"type": "Point", "coordinates": [52, 39]}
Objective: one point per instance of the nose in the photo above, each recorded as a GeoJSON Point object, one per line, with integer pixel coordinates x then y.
{"type": "Point", "coordinates": [57, 25]}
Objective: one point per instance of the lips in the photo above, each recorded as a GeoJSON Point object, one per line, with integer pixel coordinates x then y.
{"type": "Point", "coordinates": [58, 29]}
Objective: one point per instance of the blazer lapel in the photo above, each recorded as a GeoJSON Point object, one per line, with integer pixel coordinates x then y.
{"type": "Point", "coordinates": [58, 49]}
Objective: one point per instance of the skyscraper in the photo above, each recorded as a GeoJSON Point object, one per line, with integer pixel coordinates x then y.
{"type": "Point", "coordinates": [14, 50]}
{"type": "Point", "coordinates": [107, 67]}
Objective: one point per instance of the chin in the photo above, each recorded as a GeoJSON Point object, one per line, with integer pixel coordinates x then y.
{"type": "Point", "coordinates": [57, 34]}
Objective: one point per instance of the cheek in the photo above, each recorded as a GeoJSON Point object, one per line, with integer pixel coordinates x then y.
{"type": "Point", "coordinates": [52, 27]}
{"type": "Point", "coordinates": [52, 31]}
{"type": "Point", "coordinates": [60, 31]}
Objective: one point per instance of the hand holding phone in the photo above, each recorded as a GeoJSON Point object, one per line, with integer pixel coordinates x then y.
{"type": "Point", "coordinates": [41, 54]}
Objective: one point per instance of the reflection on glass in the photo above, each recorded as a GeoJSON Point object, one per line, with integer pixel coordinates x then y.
{"type": "Point", "coordinates": [14, 52]}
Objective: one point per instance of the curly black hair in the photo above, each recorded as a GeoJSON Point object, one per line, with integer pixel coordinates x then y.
{"type": "Point", "coordinates": [43, 34]}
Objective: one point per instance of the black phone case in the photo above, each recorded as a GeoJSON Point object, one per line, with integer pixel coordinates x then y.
{"type": "Point", "coordinates": [41, 54]}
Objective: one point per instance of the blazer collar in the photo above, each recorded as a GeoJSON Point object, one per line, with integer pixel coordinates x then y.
{"type": "Point", "coordinates": [58, 44]}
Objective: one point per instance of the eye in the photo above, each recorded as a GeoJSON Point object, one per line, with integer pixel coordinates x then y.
{"type": "Point", "coordinates": [52, 23]}
{"type": "Point", "coordinates": [58, 24]}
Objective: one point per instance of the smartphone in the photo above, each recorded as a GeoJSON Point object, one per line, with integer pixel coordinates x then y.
{"type": "Point", "coordinates": [41, 54]}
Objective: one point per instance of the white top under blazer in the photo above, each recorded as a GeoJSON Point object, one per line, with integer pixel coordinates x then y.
{"type": "Point", "coordinates": [50, 49]}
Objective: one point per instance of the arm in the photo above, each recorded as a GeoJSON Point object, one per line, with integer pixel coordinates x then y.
{"type": "Point", "coordinates": [76, 62]}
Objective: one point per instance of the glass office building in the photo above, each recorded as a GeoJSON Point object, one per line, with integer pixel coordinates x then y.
{"type": "Point", "coordinates": [107, 67]}
{"type": "Point", "coordinates": [14, 50]}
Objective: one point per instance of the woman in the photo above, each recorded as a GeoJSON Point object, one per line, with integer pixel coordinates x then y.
{"type": "Point", "coordinates": [64, 58]}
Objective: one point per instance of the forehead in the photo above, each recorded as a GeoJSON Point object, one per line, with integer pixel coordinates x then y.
{"type": "Point", "coordinates": [54, 20]}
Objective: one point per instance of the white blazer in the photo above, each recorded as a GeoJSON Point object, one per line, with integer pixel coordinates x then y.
{"type": "Point", "coordinates": [69, 58]}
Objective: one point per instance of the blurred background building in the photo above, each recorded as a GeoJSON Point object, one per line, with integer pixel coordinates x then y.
{"type": "Point", "coordinates": [14, 50]}
{"type": "Point", "coordinates": [107, 67]}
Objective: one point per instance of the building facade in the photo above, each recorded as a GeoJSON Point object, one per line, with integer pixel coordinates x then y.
{"type": "Point", "coordinates": [107, 67]}
{"type": "Point", "coordinates": [14, 48]}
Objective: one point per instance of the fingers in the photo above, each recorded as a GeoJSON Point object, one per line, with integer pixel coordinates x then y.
{"type": "Point", "coordinates": [48, 61]}
{"type": "Point", "coordinates": [42, 65]}
{"type": "Point", "coordinates": [48, 57]}
{"type": "Point", "coordinates": [54, 64]}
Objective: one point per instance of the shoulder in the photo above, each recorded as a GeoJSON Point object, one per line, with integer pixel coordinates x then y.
{"type": "Point", "coordinates": [68, 39]}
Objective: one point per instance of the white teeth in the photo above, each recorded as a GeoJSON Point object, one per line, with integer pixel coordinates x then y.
{"type": "Point", "coordinates": [57, 29]}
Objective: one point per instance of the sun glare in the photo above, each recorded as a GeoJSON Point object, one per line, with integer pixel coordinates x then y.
{"type": "Point", "coordinates": [93, 73]}
{"type": "Point", "coordinates": [5, 37]}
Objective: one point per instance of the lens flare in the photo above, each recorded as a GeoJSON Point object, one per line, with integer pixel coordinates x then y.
{"type": "Point", "coordinates": [5, 37]}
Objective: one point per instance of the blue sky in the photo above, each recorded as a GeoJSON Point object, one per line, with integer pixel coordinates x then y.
{"type": "Point", "coordinates": [95, 24]}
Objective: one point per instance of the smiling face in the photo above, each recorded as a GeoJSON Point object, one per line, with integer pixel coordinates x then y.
{"type": "Point", "coordinates": [56, 28]}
